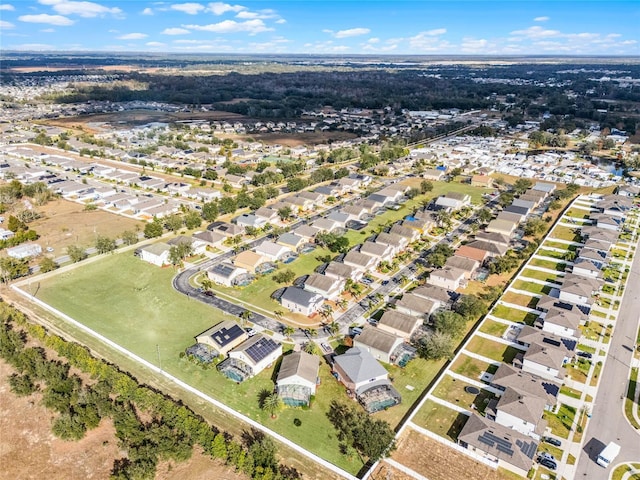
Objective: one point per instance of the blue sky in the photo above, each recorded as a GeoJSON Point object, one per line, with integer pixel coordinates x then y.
{"type": "Point", "coordinates": [506, 27]}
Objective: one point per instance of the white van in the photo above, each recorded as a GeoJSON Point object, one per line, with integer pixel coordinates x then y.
{"type": "Point", "coordinates": [608, 454]}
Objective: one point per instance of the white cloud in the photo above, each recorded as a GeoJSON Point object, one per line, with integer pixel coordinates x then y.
{"type": "Point", "coordinates": [435, 32]}
{"type": "Point", "coordinates": [4, 24]}
{"type": "Point", "coordinates": [218, 8]}
{"type": "Point", "coordinates": [264, 14]}
{"type": "Point", "coordinates": [82, 9]}
{"type": "Point", "coordinates": [536, 32]}
{"type": "Point", "coordinates": [351, 32]}
{"type": "Point", "coordinates": [472, 45]}
{"type": "Point", "coordinates": [429, 40]}
{"type": "Point", "coordinates": [147, 11]}
{"type": "Point", "coordinates": [155, 44]}
{"type": "Point", "coordinates": [48, 30]}
{"type": "Point", "coordinates": [373, 40]}
{"type": "Point", "coordinates": [133, 36]}
{"type": "Point", "coordinates": [189, 8]}
{"type": "Point", "coordinates": [58, 20]}
{"type": "Point", "coordinates": [281, 21]}
{"type": "Point", "coordinates": [7, 7]}
{"type": "Point", "coordinates": [541, 19]}
{"type": "Point", "coordinates": [231, 26]}
{"type": "Point", "coordinates": [32, 46]}
{"type": "Point", "coordinates": [175, 31]}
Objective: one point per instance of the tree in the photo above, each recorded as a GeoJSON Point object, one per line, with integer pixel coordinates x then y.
{"type": "Point", "coordinates": [153, 229]}
{"type": "Point", "coordinates": [227, 205]}
{"type": "Point", "coordinates": [484, 215]}
{"type": "Point", "coordinates": [522, 185]}
{"type": "Point", "coordinates": [14, 224]}
{"type": "Point", "coordinates": [76, 253]}
{"type": "Point", "coordinates": [192, 219]}
{"type": "Point", "coordinates": [435, 346]}
{"type": "Point", "coordinates": [534, 226]}
{"type": "Point", "coordinates": [129, 237]}
{"type": "Point", "coordinates": [326, 311]}
{"type": "Point", "coordinates": [413, 192]}
{"type": "Point", "coordinates": [105, 244]}
{"type": "Point", "coordinates": [312, 348]}
{"type": "Point", "coordinates": [449, 322]}
{"type": "Point", "coordinates": [245, 316]}
{"type": "Point", "coordinates": [210, 211]}
{"type": "Point", "coordinates": [470, 307]}
{"type": "Point", "coordinates": [334, 328]}
{"type": "Point", "coordinates": [12, 268]}
{"type": "Point", "coordinates": [426, 186]}
{"type": "Point", "coordinates": [47, 264]}
{"type": "Point", "coordinates": [285, 213]}
{"type": "Point", "coordinates": [342, 303]}
{"type": "Point", "coordinates": [288, 330]}
{"type": "Point", "coordinates": [177, 253]}
{"type": "Point", "coordinates": [296, 184]}
{"type": "Point", "coordinates": [505, 199]}
{"type": "Point", "coordinates": [173, 222]}
{"type": "Point", "coordinates": [272, 404]}
{"type": "Point", "coordinates": [284, 276]}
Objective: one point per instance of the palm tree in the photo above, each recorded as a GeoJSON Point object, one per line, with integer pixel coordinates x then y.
{"type": "Point", "coordinates": [334, 328]}
{"type": "Point", "coordinates": [288, 331]}
{"type": "Point", "coordinates": [206, 284]}
{"type": "Point", "coordinates": [246, 316]}
{"type": "Point", "coordinates": [327, 311]}
{"type": "Point", "coordinates": [311, 348]}
{"type": "Point", "coordinates": [343, 303]}
{"type": "Point", "coordinates": [272, 404]}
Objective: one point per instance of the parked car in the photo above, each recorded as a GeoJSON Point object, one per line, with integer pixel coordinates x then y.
{"type": "Point", "coordinates": [550, 464]}
{"type": "Point", "coordinates": [356, 331]}
{"type": "Point", "coordinates": [250, 332]}
{"type": "Point", "coordinates": [546, 456]}
{"type": "Point", "coordinates": [584, 355]}
{"type": "Point", "coordinates": [326, 347]}
{"type": "Point", "coordinates": [552, 441]}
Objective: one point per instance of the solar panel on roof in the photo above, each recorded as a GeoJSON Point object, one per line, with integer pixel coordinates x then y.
{"type": "Point", "coordinates": [528, 448]}
{"type": "Point", "coordinates": [262, 349]}
{"type": "Point", "coordinates": [550, 341]}
{"type": "Point", "coordinates": [503, 449]}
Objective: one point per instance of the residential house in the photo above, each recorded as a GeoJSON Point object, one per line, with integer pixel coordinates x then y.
{"type": "Point", "coordinates": [599, 258]}
{"type": "Point", "coordinates": [307, 232]}
{"type": "Point", "coordinates": [297, 378]}
{"type": "Point", "coordinates": [615, 205]}
{"type": "Point", "coordinates": [379, 342]}
{"type": "Point", "coordinates": [156, 253]}
{"type": "Point", "coordinates": [510, 216]}
{"type": "Point", "coordinates": [360, 261]}
{"type": "Point", "coordinates": [578, 289]}
{"type": "Point", "coordinates": [299, 203]}
{"type": "Point", "coordinates": [433, 174]}
{"type": "Point", "coordinates": [397, 242]}
{"type": "Point", "coordinates": [493, 249]}
{"type": "Point", "coordinates": [410, 230]}
{"type": "Point", "coordinates": [447, 277]}
{"type": "Point", "coordinates": [272, 250]}
{"type": "Point", "coordinates": [249, 220]}
{"type": "Point", "coordinates": [339, 218]}
{"type": "Point", "coordinates": [547, 188]}
{"type": "Point", "coordinates": [468, 265]}
{"type": "Point", "coordinates": [519, 411]}
{"type": "Point", "coordinates": [212, 239]}
{"type": "Point", "coordinates": [314, 197]}
{"type": "Point", "coordinates": [301, 301]}
{"type": "Point", "coordinates": [482, 181]}
{"type": "Point", "coordinates": [236, 181]}
{"type": "Point", "coordinates": [493, 237]}
{"type": "Point", "coordinates": [607, 222]}
{"type": "Point", "coordinates": [563, 322]}
{"type": "Point", "coordinates": [359, 372]}
{"type": "Point", "coordinates": [269, 215]}
{"type": "Point", "coordinates": [341, 271]}
{"type": "Point", "coordinates": [453, 200]}
{"type": "Point", "coordinates": [533, 199]}
{"type": "Point", "coordinates": [256, 353]}
{"type": "Point", "coordinates": [600, 246]}
{"type": "Point", "coordinates": [416, 306]}
{"type": "Point", "coordinates": [354, 212]}
{"type": "Point", "coordinates": [435, 293]}
{"type": "Point", "coordinates": [502, 227]}
{"type": "Point", "coordinates": [226, 229]}
{"type": "Point", "coordinates": [325, 224]}
{"type": "Point", "coordinates": [508, 448]}
{"type": "Point", "coordinates": [521, 211]}
{"type": "Point", "coordinates": [248, 260]}
{"type": "Point", "coordinates": [382, 252]}
{"type": "Point", "coordinates": [507, 376]}
{"type": "Point", "coordinates": [224, 273]}
{"type": "Point", "coordinates": [629, 191]}
{"type": "Point", "coordinates": [594, 233]}
{"type": "Point", "coordinates": [329, 287]}
{"type": "Point", "coordinates": [586, 268]}
{"type": "Point", "coordinates": [6, 234]}
{"type": "Point", "coordinates": [223, 337]}
{"type": "Point", "coordinates": [521, 202]}
{"type": "Point", "coordinates": [476, 254]}
{"type": "Point", "coordinates": [397, 323]}
{"type": "Point", "coordinates": [198, 247]}
{"type": "Point", "coordinates": [291, 241]}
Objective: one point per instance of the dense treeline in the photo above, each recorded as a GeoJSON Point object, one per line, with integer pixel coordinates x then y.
{"type": "Point", "coordinates": [169, 432]}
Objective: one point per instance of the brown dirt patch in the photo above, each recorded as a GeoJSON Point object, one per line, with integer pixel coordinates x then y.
{"type": "Point", "coordinates": [28, 449]}
{"type": "Point", "coordinates": [65, 223]}
{"type": "Point", "coordinates": [385, 471]}
{"type": "Point", "coordinates": [437, 461]}
{"type": "Point", "coordinates": [297, 139]}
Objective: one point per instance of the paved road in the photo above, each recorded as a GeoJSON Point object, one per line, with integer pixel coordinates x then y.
{"type": "Point", "coordinates": [608, 422]}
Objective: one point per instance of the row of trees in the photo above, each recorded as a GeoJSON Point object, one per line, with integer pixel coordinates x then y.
{"type": "Point", "coordinates": [149, 425]}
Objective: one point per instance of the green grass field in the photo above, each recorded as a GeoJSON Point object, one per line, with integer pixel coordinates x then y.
{"type": "Point", "coordinates": [514, 314]}
{"type": "Point", "coordinates": [440, 420]}
{"type": "Point", "coordinates": [540, 275]}
{"type": "Point", "coordinates": [535, 288]}
{"type": "Point", "coordinates": [494, 328]}
{"type": "Point", "coordinates": [493, 350]}
{"type": "Point", "coordinates": [520, 299]}
{"type": "Point", "coordinates": [471, 367]}
{"type": "Point", "coordinates": [561, 422]}
{"type": "Point", "coordinates": [453, 391]}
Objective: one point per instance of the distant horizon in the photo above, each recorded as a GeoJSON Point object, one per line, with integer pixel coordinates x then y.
{"type": "Point", "coordinates": [495, 28]}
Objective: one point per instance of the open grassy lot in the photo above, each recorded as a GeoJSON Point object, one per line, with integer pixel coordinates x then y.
{"type": "Point", "coordinates": [514, 314]}
{"type": "Point", "coordinates": [440, 420]}
{"type": "Point", "coordinates": [471, 367]}
{"type": "Point", "coordinates": [540, 275]}
{"type": "Point", "coordinates": [535, 288]}
{"type": "Point", "coordinates": [141, 312]}
{"type": "Point", "coordinates": [520, 299]}
{"type": "Point", "coordinates": [440, 188]}
{"type": "Point", "coordinates": [454, 391]}
{"type": "Point", "coordinates": [560, 423]}
{"type": "Point", "coordinates": [493, 350]}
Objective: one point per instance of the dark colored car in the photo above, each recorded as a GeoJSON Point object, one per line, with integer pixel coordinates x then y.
{"type": "Point", "coordinates": [584, 355]}
{"type": "Point", "coordinates": [552, 441]}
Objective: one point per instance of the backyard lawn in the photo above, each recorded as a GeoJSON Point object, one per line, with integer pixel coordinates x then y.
{"type": "Point", "coordinates": [471, 367]}
{"type": "Point", "coordinates": [563, 246]}
{"type": "Point", "coordinates": [454, 391]}
{"type": "Point", "coordinates": [493, 350]}
{"type": "Point", "coordinates": [540, 275]}
{"type": "Point", "coordinates": [531, 287]}
{"type": "Point", "coordinates": [440, 420]}
{"type": "Point", "coordinates": [565, 233]}
{"type": "Point", "coordinates": [557, 266]}
{"type": "Point", "coordinates": [514, 314]}
{"type": "Point", "coordinates": [520, 299]}
{"type": "Point", "coordinates": [491, 327]}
